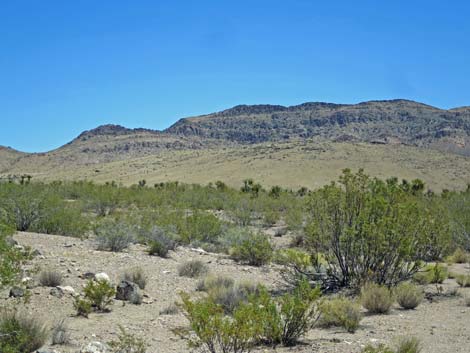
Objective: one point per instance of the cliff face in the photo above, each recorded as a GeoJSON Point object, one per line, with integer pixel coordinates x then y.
{"type": "Point", "coordinates": [397, 121]}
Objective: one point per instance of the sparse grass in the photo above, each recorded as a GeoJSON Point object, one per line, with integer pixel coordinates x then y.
{"type": "Point", "coordinates": [60, 333]}
{"type": "Point", "coordinates": [376, 299]}
{"type": "Point", "coordinates": [50, 278]}
{"type": "Point", "coordinates": [340, 312]}
{"type": "Point", "coordinates": [171, 309]}
{"type": "Point", "coordinates": [466, 299]}
{"type": "Point", "coordinates": [408, 295]}
{"type": "Point", "coordinates": [409, 345]}
{"type": "Point", "coordinates": [136, 275]}
{"type": "Point", "coordinates": [128, 343]}
{"type": "Point", "coordinates": [192, 269]}
{"type": "Point", "coordinates": [20, 333]}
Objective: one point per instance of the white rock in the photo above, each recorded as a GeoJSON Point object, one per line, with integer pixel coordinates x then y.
{"type": "Point", "coordinates": [66, 290]}
{"type": "Point", "coordinates": [94, 347]}
{"type": "Point", "coordinates": [102, 277]}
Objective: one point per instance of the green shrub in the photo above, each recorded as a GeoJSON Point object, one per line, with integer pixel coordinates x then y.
{"type": "Point", "coordinates": [255, 250]}
{"type": "Point", "coordinates": [82, 306]}
{"type": "Point", "coordinates": [100, 294]}
{"type": "Point", "coordinates": [202, 227]}
{"type": "Point", "coordinates": [408, 295]}
{"type": "Point", "coordinates": [214, 332]}
{"type": "Point", "coordinates": [365, 227]}
{"type": "Point", "coordinates": [435, 274]}
{"type": "Point", "coordinates": [460, 256]}
{"type": "Point", "coordinates": [136, 275]}
{"type": "Point", "coordinates": [340, 312]}
{"type": "Point", "coordinates": [192, 269]}
{"type": "Point", "coordinates": [11, 259]}
{"type": "Point", "coordinates": [114, 236]}
{"type": "Point", "coordinates": [128, 343]}
{"type": "Point", "coordinates": [271, 217]}
{"type": "Point", "coordinates": [376, 299]}
{"type": "Point", "coordinates": [62, 220]}
{"type": "Point", "coordinates": [438, 273]}
{"type": "Point", "coordinates": [381, 348]}
{"type": "Point", "coordinates": [463, 280]}
{"type": "Point", "coordinates": [20, 333]}
{"type": "Point", "coordinates": [50, 278]}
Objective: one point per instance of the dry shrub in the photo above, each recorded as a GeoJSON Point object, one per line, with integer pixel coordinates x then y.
{"type": "Point", "coordinates": [340, 312]}
{"type": "Point", "coordinates": [408, 295]}
{"type": "Point", "coordinates": [376, 299]}
{"type": "Point", "coordinates": [50, 278]}
{"type": "Point", "coordinates": [192, 269]}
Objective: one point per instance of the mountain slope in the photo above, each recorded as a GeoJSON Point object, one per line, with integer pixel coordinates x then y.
{"type": "Point", "coordinates": [314, 141]}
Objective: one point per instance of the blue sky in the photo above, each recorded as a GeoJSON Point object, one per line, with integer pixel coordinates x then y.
{"type": "Point", "coordinates": [68, 66]}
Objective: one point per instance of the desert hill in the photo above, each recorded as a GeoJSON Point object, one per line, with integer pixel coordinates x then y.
{"type": "Point", "coordinates": [297, 145]}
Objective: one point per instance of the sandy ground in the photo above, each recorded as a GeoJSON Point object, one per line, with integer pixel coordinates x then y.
{"type": "Point", "coordinates": [442, 324]}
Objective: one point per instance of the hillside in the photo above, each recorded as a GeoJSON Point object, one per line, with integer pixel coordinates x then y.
{"type": "Point", "coordinates": [306, 144]}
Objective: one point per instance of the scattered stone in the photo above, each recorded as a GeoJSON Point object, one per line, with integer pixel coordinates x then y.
{"type": "Point", "coordinates": [95, 347]}
{"type": "Point", "coordinates": [17, 292]}
{"type": "Point", "coordinates": [125, 290]}
{"type": "Point", "coordinates": [102, 277]}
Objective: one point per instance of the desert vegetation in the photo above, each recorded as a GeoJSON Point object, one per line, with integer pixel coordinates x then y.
{"type": "Point", "coordinates": [356, 248]}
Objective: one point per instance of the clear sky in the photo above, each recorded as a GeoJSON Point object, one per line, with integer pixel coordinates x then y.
{"type": "Point", "coordinates": [68, 66]}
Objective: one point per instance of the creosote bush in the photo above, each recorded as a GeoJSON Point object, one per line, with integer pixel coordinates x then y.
{"type": "Point", "coordinates": [255, 250]}
{"type": "Point", "coordinates": [261, 318]}
{"type": "Point", "coordinates": [376, 299]}
{"type": "Point", "coordinates": [20, 333]}
{"type": "Point", "coordinates": [50, 278]}
{"type": "Point", "coordinates": [192, 269]}
{"type": "Point", "coordinates": [371, 230]}
{"type": "Point", "coordinates": [408, 295]}
{"type": "Point", "coordinates": [340, 312]}
{"type": "Point", "coordinates": [435, 274]}
{"type": "Point", "coordinates": [136, 275]}
{"type": "Point", "coordinates": [100, 294]}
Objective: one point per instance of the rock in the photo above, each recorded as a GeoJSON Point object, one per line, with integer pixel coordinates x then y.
{"type": "Point", "coordinates": [125, 290]}
{"type": "Point", "coordinates": [88, 275]}
{"type": "Point", "coordinates": [36, 252]}
{"type": "Point", "coordinates": [28, 282]}
{"type": "Point", "coordinates": [56, 292]}
{"type": "Point", "coordinates": [17, 292]}
{"type": "Point", "coordinates": [66, 289]}
{"type": "Point", "coordinates": [102, 277]}
{"type": "Point", "coordinates": [95, 347]}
